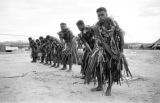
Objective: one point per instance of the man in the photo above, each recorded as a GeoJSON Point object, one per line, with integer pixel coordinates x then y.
{"type": "Point", "coordinates": [33, 47]}
{"type": "Point", "coordinates": [109, 58]}
{"type": "Point", "coordinates": [38, 43]}
{"type": "Point", "coordinates": [53, 51]}
{"type": "Point", "coordinates": [53, 56]}
{"type": "Point", "coordinates": [86, 37]}
{"type": "Point", "coordinates": [56, 52]}
{"type": "Point", "coordinates": [69, 53]}
{"type": "Point", "coordinates": [48, 50]}
{"type": "Point", "coordinates": [42, 48]}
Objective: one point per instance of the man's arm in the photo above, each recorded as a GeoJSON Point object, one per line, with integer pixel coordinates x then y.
{"type": "Point", "coordinates": [121, 35]}
{"type": "Point", "coordinates": [113, 26]}
{"type": "Point", "coordinates": [70, 35]}
{"type": "Point", "coordinates": [60, 36]}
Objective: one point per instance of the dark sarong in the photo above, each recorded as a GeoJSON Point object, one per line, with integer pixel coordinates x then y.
{"type": "Point", "coordinates": [70, 52]}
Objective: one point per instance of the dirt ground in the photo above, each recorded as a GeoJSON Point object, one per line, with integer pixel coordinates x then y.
{"type": "Point", "coordinates": [25, 82]}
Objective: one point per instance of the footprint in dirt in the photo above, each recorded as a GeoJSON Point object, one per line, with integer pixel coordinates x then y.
{"type": "Point", "coordinates": [3, 88]}
{"type": "Point", "coordinates": [134, 79]}
{"type": "Point", "coordinates": [139, 79]}
{"type": "Point", "coordinates": [76, 92]}
{"type": "Point", "coordinates": [6, 87]}
{"type": "Point", "coordinates": [48, 87]}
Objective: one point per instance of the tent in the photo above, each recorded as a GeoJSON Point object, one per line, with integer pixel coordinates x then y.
{"type": "Point", "coordinates": [4, 48]}
{"type": "Point", "coordinates": [156, 45]}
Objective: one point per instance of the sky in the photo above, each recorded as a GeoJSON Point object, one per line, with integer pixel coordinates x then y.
{"type": "Point", "coordinates": [20, 19]}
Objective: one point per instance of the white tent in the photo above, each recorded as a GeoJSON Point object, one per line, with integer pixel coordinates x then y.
{"type": "Point", "coordinates": [11, 48]}
{"type": "Point", "coordinates": [156, 45]}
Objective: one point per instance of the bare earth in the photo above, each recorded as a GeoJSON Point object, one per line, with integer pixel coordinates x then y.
{"type": "Point", "coordinates": [25, 82]}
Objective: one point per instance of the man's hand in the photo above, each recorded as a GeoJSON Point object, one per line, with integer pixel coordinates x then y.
{"type": "Point", "coordinates": [115, 57]}
{"type": "Point", "coordinates": [121, 54]}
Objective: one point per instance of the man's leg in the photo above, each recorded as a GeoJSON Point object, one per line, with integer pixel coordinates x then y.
{"type": "Point", "coordinates": [70, 62]}
{"type": "Point", "coordinates": [83, 65]}
{"type": "Point", "coordinates": [46, 59]}
{"type": "Point", "coordinates": [42, 58]}
{"type": "Point", "coordinates": [64, 64]}
{"type": "Point", "coordinates": [57, 66]}
{"type": "Point", "coordinates": [35, 59]}
{"type": "Point", "coordinates": [32, 56]}
{"type": "Point", "coordinates": [32, 59]}
{"type": "Point", "coordinates": [54, 63]}
{"type": "Point", "coordinates": [99, 79]}
{"type": "Point", "coordinates": [50, 61]}
{"type": "Point", "coordinates": [53, 59]}
{"type": "Point", "coordinates": [57, 62]}
{"type": "Point", "coordinates": [110, 82]}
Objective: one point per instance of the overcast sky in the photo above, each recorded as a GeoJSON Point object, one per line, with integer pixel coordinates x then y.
{"type": "Point", "coordinates": [140, 19]}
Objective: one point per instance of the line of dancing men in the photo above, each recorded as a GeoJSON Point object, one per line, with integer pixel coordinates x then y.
{"type": "Point", "coordinates": [103, 59]}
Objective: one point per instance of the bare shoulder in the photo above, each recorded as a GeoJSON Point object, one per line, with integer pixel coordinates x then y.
{"type": "Point", "coordinates": [60, 32]}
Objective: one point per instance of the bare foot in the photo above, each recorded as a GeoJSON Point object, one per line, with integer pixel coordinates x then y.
{"type": "Point", "coordinates": [69, 70]}
{"type": "Point", "coordinates": [57, 66]}
{"type": "Point", "coordinates": [45, 63]}
{"type": "Point", "coordinates": [63, 68]}
{"type": "Point", "coordinates": [53, 65]}
{"type": "Point", "coordinates": [108, 92]}
{"type": "Point", "coordinates": [99, 88]}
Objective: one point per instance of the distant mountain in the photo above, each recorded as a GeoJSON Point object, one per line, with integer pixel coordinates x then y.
{"type": "Point", "coordinates": [19, 44]}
